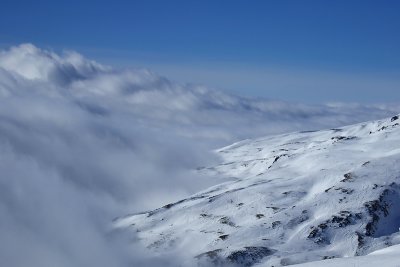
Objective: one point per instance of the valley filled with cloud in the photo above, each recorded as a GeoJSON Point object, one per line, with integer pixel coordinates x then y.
{"type": "Point", "coordinates": [82, 143]}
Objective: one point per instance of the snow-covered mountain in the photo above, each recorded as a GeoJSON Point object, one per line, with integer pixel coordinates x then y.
{"type": "Point", "coordinates": [291, 198]}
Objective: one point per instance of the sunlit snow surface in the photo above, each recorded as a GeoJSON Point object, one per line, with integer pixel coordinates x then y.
{"type": "Point", "coordinates": [293, 198]}
{"type": "Point", "coordinates": [387, 257]}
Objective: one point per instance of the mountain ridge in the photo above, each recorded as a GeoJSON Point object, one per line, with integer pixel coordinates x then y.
{"type": "Point", "coordinates": [294, 198]}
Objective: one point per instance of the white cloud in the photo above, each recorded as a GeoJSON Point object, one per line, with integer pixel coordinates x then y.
{"type": "Point", "coordinates": [289, 83]}
{"type": "Point", "coordinates": [81, 143]}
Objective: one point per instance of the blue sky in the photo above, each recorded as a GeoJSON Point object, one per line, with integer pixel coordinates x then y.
{"type": "Point", "coordinates": [307, 51]}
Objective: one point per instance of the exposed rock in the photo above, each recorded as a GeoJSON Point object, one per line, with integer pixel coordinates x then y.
{"type": "Point", "coordinates": [348, 177]}
{"type": "Point", "coordinates": [223, 237]}
{"type": "Point", "coordinates": [345, 190]}
{"type": "Point", "coordinates": [375, 209]}
{"type": "Point", "coordinates": [259, 215]}
{"type": "Point", "coordinates": [211, 257]}
{"type": "Point", "coordinates": [317, 234]}
{"type": "Point", "coordinates": [276, 224]}
{"type": "Point", "coordinates": [339, 138]}
{"type": "Point", "coordinates": [226, 220]}
{"type": "Point", "coordinates": [327, 190]}
{"type": "Point", "coordinates": [249, 255]}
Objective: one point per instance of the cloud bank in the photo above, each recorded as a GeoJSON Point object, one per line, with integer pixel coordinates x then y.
{"type": "Point", "coordinates": [82, 143]}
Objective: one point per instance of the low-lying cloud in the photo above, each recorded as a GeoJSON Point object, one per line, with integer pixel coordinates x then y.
{"type": "Point", "coordinates": [81, 143]}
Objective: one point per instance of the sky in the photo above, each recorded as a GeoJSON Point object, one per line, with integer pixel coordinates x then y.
{"type": "Point", "coordinates": [302, 51]}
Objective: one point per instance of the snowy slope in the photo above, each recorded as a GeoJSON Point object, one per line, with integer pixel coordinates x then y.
{"type": "Point", "coordinates": [293, 198]}
{"type": "Point", "coordinates": [387, 257]}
